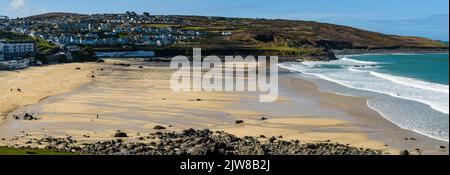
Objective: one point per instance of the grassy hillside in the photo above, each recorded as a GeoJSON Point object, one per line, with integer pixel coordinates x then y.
{"type": "Point", "coordinates": [303, 39]}
{"type": "Point", "coordinates": [296, 34]}
{"type": "Point", "coordinates": [43, 47]}
{"type": "Point", "coordinates": [55, 14]}
{"type": "Point", "coordinates": [14, 36]}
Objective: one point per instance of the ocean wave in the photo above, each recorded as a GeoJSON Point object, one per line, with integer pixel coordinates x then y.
{"type": "Point", "coordinates": [291, 67]}
{"type": "Point", "coordinates": [345, 61]}
{"type": "Point", "coordinates": [413, 82]}
{"type": "Point", "coordinates": [359, 62]}
{"type": "Point", "coordinates": [438, 102]}
{"type": "Point", "coordinates": [433, 95]}
{"type": "Point", "coordinates": [355, 70]}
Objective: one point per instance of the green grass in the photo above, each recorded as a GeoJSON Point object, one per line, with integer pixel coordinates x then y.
{"type": "Point", "coordinates": [46, 47]}
{"type": "Point", "coordinates": [26, 151]}
{"type": "Point", "coordinates": [290, 49]}
{"type": "Point", "coordinates": [309, 50]}
{"type": "Point", "coordinates": [43, 46]}
{"type": "Point", "coordinates": [280, 48]}
{"type": "Point", "coordinates": [202, 28]}
{"type": "Point", "coordinates": [123, 35]}
{"type": "Point", "coordinates": [160, 25]}
{"type": "Point", "coordinates": [286, 50]}
{"type": "Point", "coordinates": [10, 36]}
{"type": "Point", "coordinates": [214, 29]}
{"type": "Point", "coordinates": [195, 28]}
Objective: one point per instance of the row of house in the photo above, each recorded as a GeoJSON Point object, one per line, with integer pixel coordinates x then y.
{"type": "Point", "coordinates": [4, 23]}
{"type": "Point", "coordinates": [16, 54]}
{"type": "Point", "coordinates": [97, 30]}
{"type": "Point", "coordinates": [103, 30]}
{"type": "Point", "coordinates": [106, 29]}
{"type": "Point", "coordinates": [121, 36]}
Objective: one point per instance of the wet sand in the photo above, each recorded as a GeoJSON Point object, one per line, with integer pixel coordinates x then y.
{"type": "Point", "coordinates": [136, 99]}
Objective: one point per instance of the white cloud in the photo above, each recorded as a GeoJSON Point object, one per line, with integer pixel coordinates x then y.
{"type": "Point", "coordinates": [17, 4]}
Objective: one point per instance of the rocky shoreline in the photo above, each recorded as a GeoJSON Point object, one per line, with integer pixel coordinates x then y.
{"type": "Point", "coordinates": [197, 142]}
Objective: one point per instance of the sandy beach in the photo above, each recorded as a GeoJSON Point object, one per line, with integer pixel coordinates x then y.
{"type": "Point", "coordinates": [134, 100]}
{"type": "Point", "coordinates": [25, 87]}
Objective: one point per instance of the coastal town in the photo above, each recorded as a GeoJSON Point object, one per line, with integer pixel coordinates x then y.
{"type": "Point", "coordinates": [64, 33]}
{"type": "Point", "coordinates": [71, 37]}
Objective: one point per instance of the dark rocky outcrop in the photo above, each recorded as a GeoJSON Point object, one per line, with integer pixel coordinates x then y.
{"type": "Point", "coordinates": [120, 133]}
{"type": "Point", "coordinates": [203, 142]}
{"type": "Point", "coordinates": [157, 127]}
{"type": "Point", "coordinates": [25, 116]}
{"type": "Point", "coordinates": [404, 153]}
{"type": "Point", "coordinates": [239, 122]}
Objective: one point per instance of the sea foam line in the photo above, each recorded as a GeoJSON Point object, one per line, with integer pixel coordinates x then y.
{"type": "Point", "coordinates": [399, 53]}
{"type": "Point", "coordinates": [412, 82]}
{"type": "Point", "coordinates": [356, 70]}
{"type": "Point", "coordinates": [358, 61]}
{"type": "Point", "coordinates": [322, 76]}
{"type": "Point", "coordinates": [414, 130]}
{"type": "Point", "coordinates": [345, 61]}
{"type": "Point", "coordinates": [432, 105]}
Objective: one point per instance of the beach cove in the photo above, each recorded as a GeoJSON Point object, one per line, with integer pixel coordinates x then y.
{"type": "Point", "coordinates": [137, 97]}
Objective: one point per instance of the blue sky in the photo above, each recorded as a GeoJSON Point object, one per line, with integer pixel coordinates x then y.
{"type": "Point", "coordinates": [427, 18]}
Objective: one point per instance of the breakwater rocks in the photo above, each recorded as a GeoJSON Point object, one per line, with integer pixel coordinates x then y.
{"type": "Point", "coordinates": [201, 142]}
{"type": "Point", "coordinates": [25, 116]}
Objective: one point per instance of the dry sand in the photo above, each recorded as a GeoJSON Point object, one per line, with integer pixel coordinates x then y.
{"type": "Point", "coordinates": [25, 87]}
{"type": "Point", "coordinates": [136, 99]}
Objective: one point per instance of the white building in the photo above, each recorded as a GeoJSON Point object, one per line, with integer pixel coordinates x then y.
{"type": "Point", "coordinates": [15, 50]}
{"type": "Point", "coordinates": [228, 33]}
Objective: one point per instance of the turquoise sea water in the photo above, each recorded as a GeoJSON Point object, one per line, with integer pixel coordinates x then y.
{"type": "Point", "coordinates": [410, 90]}
{"type": "Point", "coordinates": [427, 67]}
